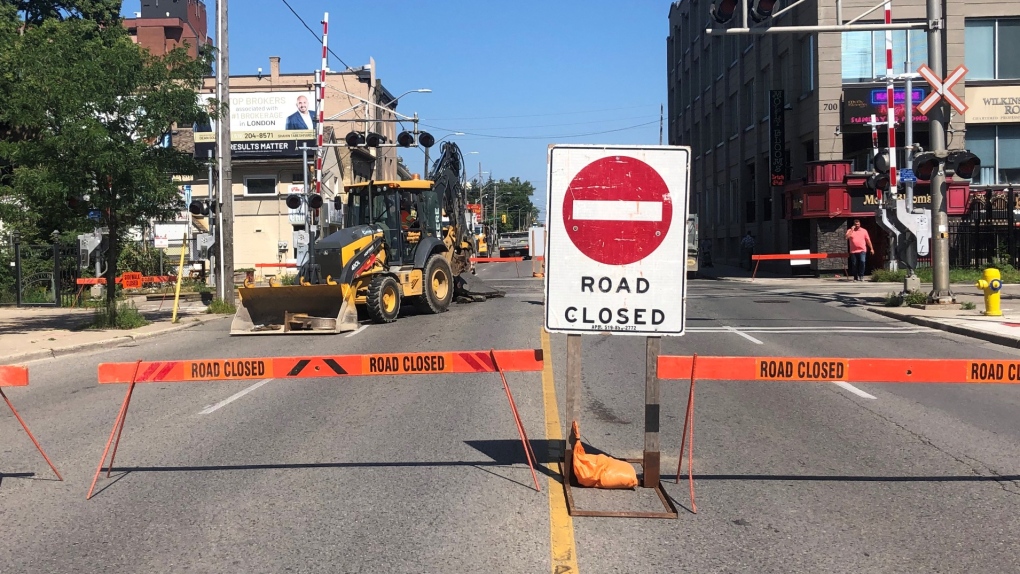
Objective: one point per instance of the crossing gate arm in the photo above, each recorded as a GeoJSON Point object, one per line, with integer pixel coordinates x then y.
{"type": "Point", "coordinates": [850, 370]}
{"type": "Point", "coordinates": [17, 376]}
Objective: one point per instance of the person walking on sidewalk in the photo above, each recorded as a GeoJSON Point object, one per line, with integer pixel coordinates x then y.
{"type": "Point", "coordinates": [860, 244]}
{"type": "Point", "coordinates": [747, 250]}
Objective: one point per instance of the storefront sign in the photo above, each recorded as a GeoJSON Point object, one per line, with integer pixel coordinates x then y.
{"type": "Point", "coordinates": [777, 138]}
{"type": "Point", "coordinates": [864, 201]}
{"type": "Point", "coordinates": [993, 104]}
{"type": "Point", "coordinates": [263, 124]}
{"type": "Point", "coordinates": [860, 103]}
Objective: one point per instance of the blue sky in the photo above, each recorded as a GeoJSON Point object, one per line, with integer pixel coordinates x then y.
{"type": "Point", "coordinates": [517, 75]}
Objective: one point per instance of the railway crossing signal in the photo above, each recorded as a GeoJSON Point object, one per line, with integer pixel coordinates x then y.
{"type": "Point", "coordinates": [942, 90]}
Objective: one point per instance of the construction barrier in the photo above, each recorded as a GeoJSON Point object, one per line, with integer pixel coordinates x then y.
{"type": "Point", "coordinates": [821, 370]}
{"type": "Point", "coordinates": [794, 257]}
{"type": "Point", "coordinates": [212, 370]}
{"type": "Point", "coordinates": [501, 259]}
{"type": "Point", "coordinates": [129, 281]}
{"type": "Point", "coordinates": [17, 376]}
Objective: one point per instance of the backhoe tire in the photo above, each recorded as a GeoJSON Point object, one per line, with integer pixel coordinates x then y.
{"type": "Point", "coordinates": [438, 287]}
{"type": "Point", "coordinates": [383, 299]}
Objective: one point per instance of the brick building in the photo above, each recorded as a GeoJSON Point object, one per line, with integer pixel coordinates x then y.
{"type": "Point", "coordinates": [164, 25]}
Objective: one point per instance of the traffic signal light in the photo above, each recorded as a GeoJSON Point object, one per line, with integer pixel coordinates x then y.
{"type": "Point", "coordinates": [337, 203]}
{"type": "Point", "coordinates": [879, 180]}
{"type": "Point", "coordinates": [722, 11]}
{"type": "Point", "coordinates": [762, 9]}
{"type": "Point", "coordinates": [374, 140]}
{"type": "Point", "coordinates": [503, 217]}
{"type": "Point", "coordinates": [425, 139]}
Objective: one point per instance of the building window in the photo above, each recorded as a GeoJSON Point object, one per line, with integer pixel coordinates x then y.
{"type": "Point", "coordinates": [999, 150]}
{"type": "Point", "coordinates": [864, 54]}
{"type": "Point", "coordinates": [733, 49]}
{"type": "Point", "coordinates": [991, 47]}
{"type": "Point", "coordinates": [807, 65]}
{"type": "Point", "coordinates": [260, 185]}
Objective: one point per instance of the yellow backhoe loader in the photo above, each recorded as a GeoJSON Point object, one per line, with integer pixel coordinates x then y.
{"type": "Point", "coordinates": [404, 241]}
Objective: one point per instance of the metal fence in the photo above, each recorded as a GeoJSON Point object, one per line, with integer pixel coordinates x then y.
{"type": "Point", "coordinates": [37, 275]}
{"type": "Point", "coordinates": [987, 232]}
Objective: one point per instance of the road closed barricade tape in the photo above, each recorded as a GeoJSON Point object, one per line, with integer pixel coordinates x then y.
{"type": "Point", "coordinates": [825, 369]}
{"type": "Point", "coordinates": [17, 376]}
{"type": "Point", "coordinates": [385, 364]}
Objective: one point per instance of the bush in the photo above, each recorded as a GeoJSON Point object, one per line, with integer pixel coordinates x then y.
{"type": "Point", "coordinates": [128, 317]}
{"type": "Point", "coordinates": [915, 298]}
{"type": "Point", "coordinates": [885, 276]}
{"type": "Point", "coordinates": [288, 279]}
{"type": "Point", "coordinates": [893, 300]}
{"type": "Point", "coordinates": [968, 305]}
{"type": "Point", "coordinates": [221, 307]}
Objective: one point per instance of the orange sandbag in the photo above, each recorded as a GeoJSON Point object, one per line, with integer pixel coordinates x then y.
{"type": "Point", "coordinates": [599, 470]}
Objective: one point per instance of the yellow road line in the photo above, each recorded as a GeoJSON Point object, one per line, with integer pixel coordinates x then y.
{"type": "Point", "coordinates": [561, 526]}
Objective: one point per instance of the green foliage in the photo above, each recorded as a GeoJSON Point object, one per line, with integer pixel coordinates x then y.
{"type": "Point", "coordinates": [221, 307]}
{"type": "Point", "coordinates": [886, 276]}
{"type": "Point", "coordinates": [288, 279]}
{"type": "Point", "coordinates": [81, 109]}
{"type": "Point", "coordinates": [127, 316]}
{"type": "Point", "coordinates": [141, 258]}
{"type": "Point", "coordinates": [968, 305]}
{"type": "Point", "coordinates": [893, 300]}
{"type": "Point", "coordinates": [513, 199]}
{"type": "Point", "coordinates": [915, 298]}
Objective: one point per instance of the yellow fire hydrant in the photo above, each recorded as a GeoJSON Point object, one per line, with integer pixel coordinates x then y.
{"type": "Point", "coordinates": [990, 284]}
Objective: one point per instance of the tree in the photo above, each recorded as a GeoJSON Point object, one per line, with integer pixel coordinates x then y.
{"type": "Point", "coordinates": [513, 199]}
{"type": "Point", "coordinates": [83, 112]}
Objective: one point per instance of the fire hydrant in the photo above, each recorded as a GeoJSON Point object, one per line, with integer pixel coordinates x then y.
{"type": "Point", "coordinates": [990, 284]}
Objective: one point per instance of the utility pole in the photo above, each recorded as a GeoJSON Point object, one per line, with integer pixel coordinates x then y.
{"type": "Point", "coordinates": [226, 175]}
{"type": "Point", "coordinates": [940, 292]}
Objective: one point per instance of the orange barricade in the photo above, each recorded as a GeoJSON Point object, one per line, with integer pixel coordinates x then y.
{"type": "Point", "coordinates": [825, 369]}
{"type": "Point", "coordinates": [791, 256]}
{"type": "Point", "coordinates": [211, 370]}
{"type": "Point", "coordinates": [17, 376]}
{"type": "Point", "coordinates": [134, 282]}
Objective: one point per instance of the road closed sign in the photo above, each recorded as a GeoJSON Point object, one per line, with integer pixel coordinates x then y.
{"type": "Point", "coordinates": [616, 243]}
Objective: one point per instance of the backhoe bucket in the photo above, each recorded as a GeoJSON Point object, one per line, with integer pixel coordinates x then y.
{"type": "Point", "coordinates": [295, 309]}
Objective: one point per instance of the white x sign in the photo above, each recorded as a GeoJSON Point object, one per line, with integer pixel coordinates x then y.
{"type": "Point", "coordinates": [940, 89]}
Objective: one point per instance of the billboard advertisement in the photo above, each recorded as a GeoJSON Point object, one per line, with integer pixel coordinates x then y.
{"type": "Point", "coordinates": [263, 124]}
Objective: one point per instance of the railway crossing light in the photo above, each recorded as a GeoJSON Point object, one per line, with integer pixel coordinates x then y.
{"type": "Point", "coordinates": [408, 139]}
{"type": "Point", "coordinates": [355, 139]}
{"type": "Point", "coordinates": [374, 140]}
{"type": "Point", "coordinates": [202, 207]}
{"type": "Point", "coordinates": [723, 10]}
{"type": "Point", "coordinates": [293, 201]}
{"type": "Point", "coordinates": [879, 180]}
{"type": "Point", "coordinates": [761, 10]}
{"type": "Point", "coordinates": [963, 163]}
{"type": "Point", "coordinates": [315, 201]}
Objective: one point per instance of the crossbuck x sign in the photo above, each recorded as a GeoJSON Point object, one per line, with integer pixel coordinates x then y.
{"type": "Point", "coordinates": [940, 89]}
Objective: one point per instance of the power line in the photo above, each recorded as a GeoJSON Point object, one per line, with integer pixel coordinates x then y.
{"type": "Point", "coordinates": [317, 37]}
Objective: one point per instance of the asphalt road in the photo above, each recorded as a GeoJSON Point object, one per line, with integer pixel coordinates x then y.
{"type": "Point", "coordinates": [426, 474]}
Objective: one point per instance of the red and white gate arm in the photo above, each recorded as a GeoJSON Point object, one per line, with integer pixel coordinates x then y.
{"type": "Point", "coordinates": [320, 104]}
{"type": "Point", "coordinates": [890, 98]}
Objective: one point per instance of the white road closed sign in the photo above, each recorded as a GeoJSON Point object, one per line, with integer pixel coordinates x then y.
{"type": "Point", "coordinates": [617, 246]}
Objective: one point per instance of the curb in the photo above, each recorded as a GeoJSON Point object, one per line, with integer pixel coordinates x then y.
{"type": "Point", "coordinates": [103, 344]}
{"type": "Point", "coordinates": [996, 338]}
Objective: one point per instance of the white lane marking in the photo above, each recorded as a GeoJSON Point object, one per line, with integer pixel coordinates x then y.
{"type": "Point", "coordinates": [356, 331]}
{"type": "Point", "coordinates": [854, 390]}
{"type": "Point", "coordinates": [610, 210]}
{"type": "Point", "coordinates": [232, 398]}
{"type": "Point", "coordinates": [744, 335]}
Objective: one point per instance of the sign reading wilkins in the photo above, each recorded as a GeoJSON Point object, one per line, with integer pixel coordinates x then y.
{"type": "Point", "coordinates": [617, 243]}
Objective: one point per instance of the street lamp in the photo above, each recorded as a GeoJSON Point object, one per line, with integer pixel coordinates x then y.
{"type": "Point", "coordinates": [437, 141]}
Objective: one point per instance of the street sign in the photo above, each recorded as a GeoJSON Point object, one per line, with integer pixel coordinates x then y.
{"type": "Point", "coordinates": [161, 242]}
{"type": "Point", "coordinates": [940, 89]}
{"type": "Point", "coordinates": [95, 214]}
{"type": "Point", "coordinates": [907, 175]}
{"type": "Point", "coordinates": [617, 244]}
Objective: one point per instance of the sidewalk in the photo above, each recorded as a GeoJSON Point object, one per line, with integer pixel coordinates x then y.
{"type": "Point", "coordinates": [1004, 330]}
{"type": "Point", "coordinates": [32, 333]}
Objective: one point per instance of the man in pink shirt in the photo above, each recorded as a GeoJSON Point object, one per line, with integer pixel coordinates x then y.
{"type": "Point", "coordinates": [860, 242]}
